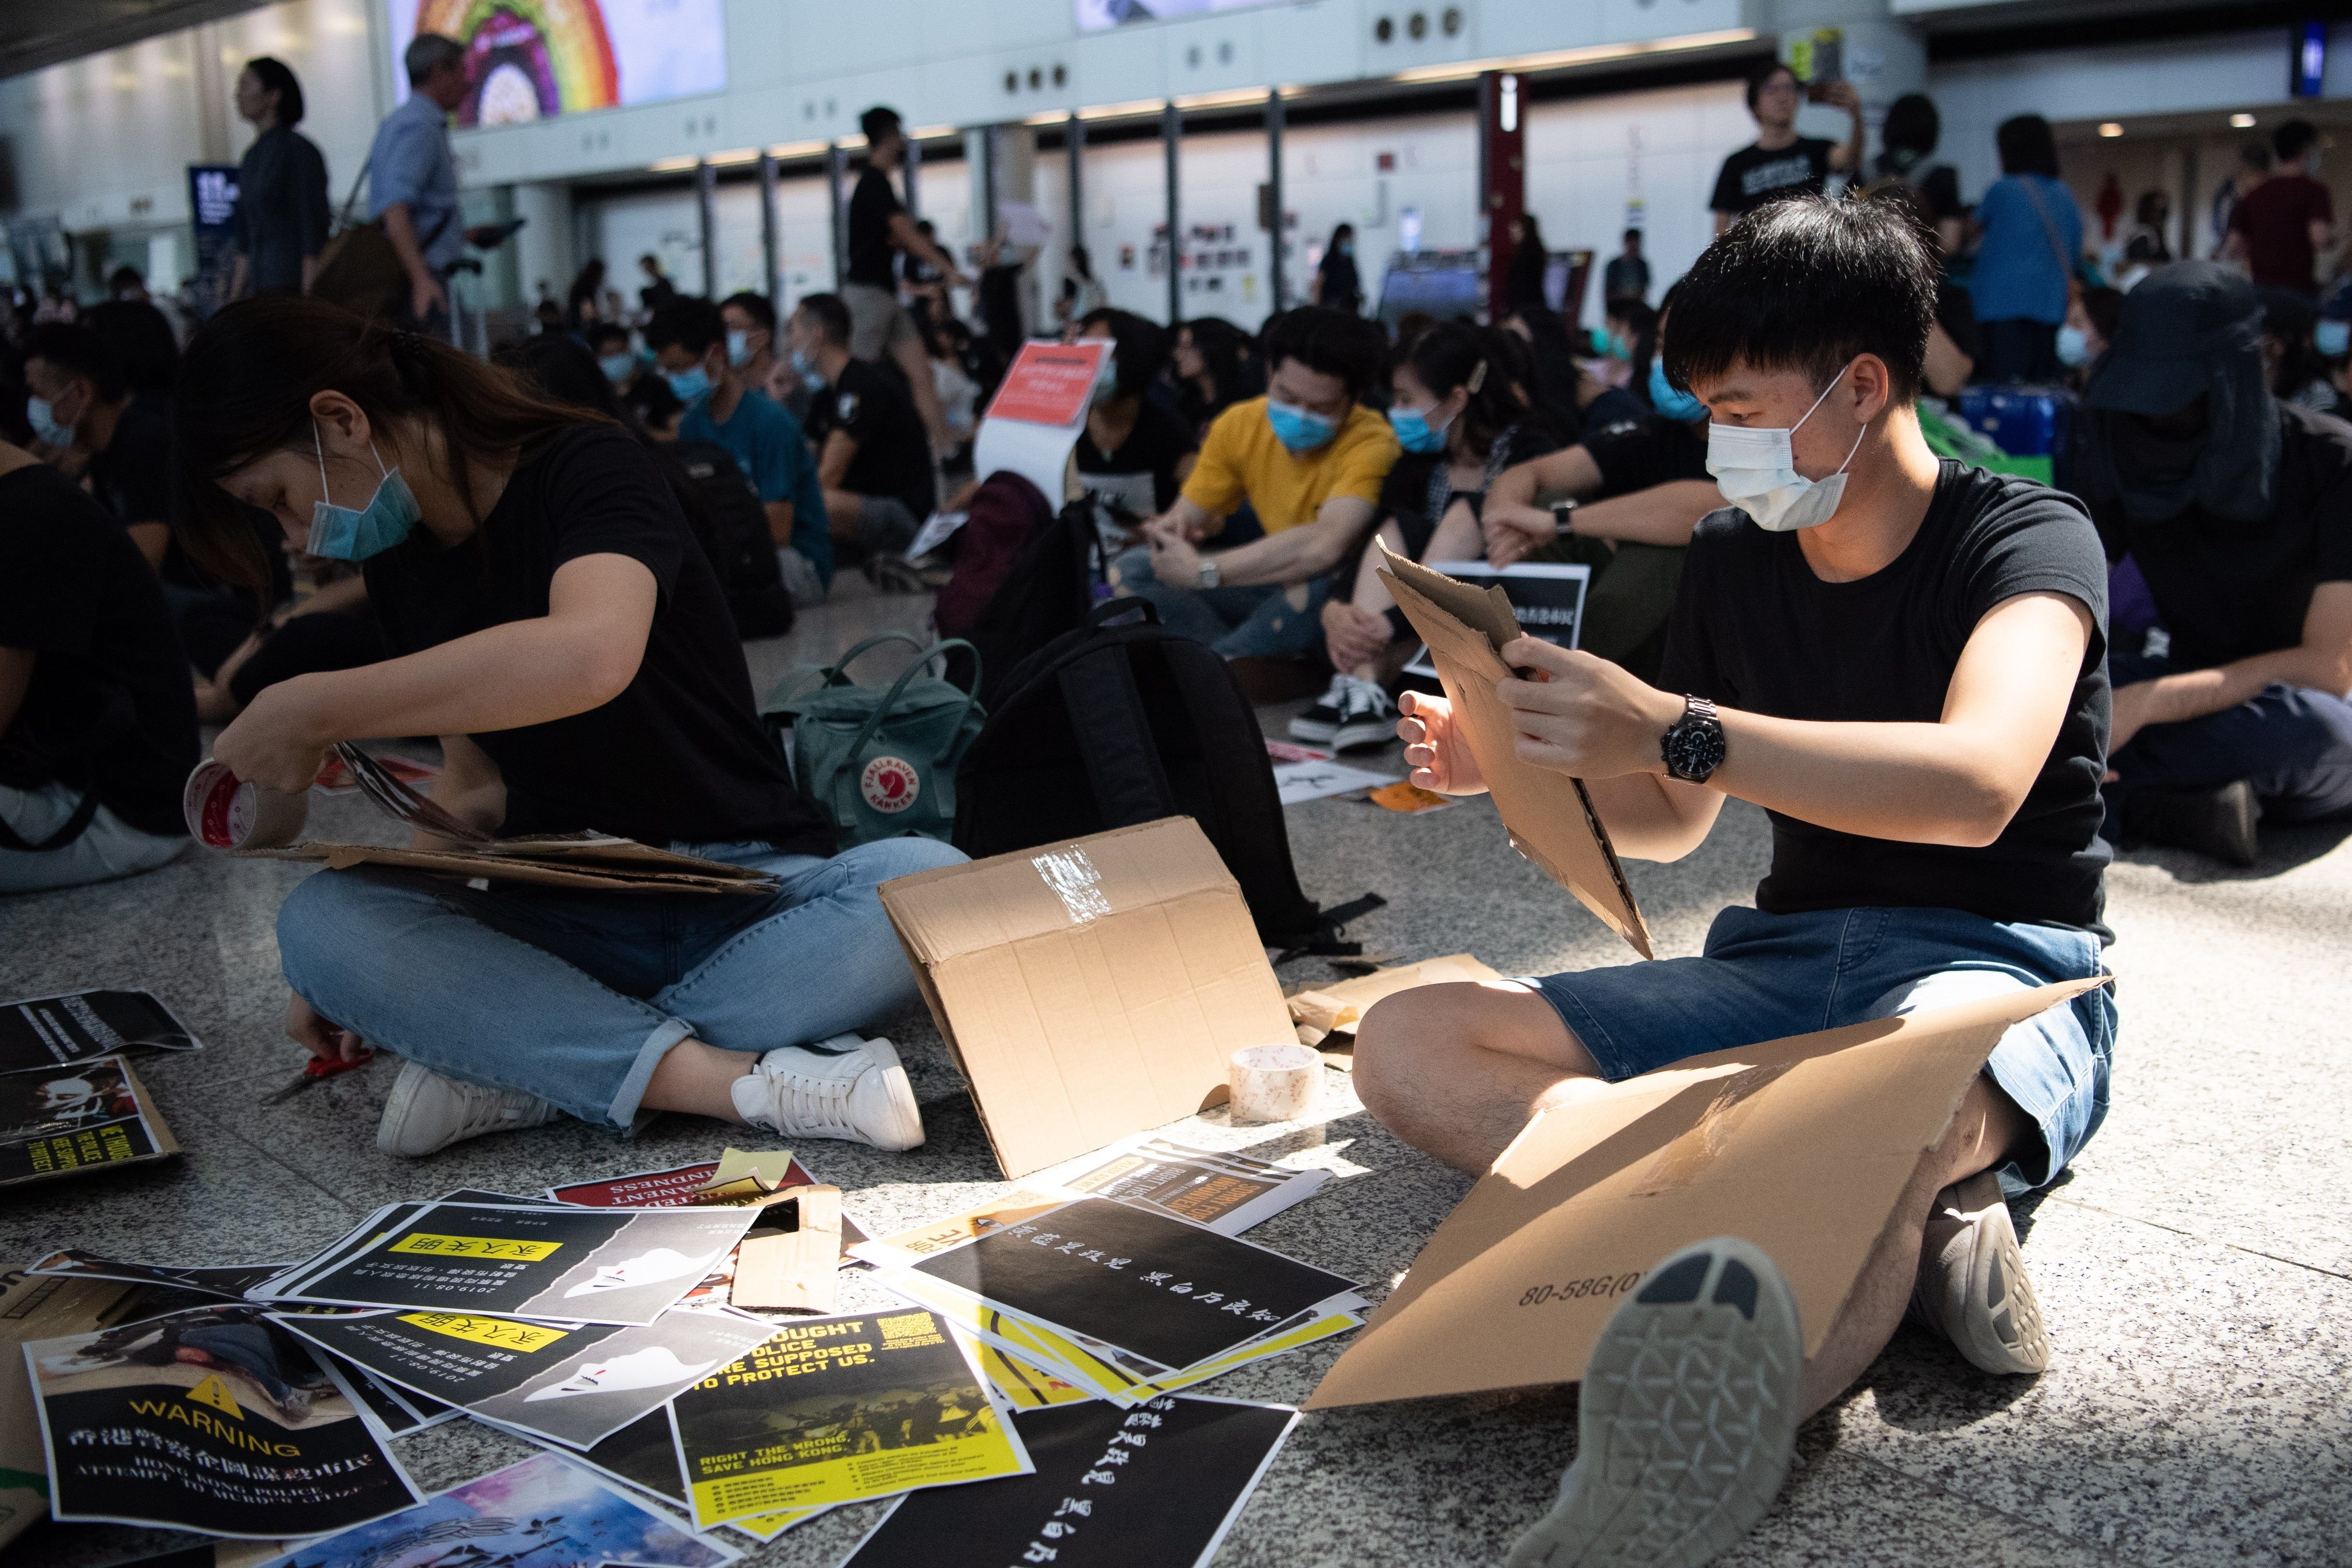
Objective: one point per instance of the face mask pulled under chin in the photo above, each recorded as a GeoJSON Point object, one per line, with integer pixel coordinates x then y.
{"type": "Point", "coordinates": [1756, 469]}
{"type": "Point", "coordinates": [355, 533]}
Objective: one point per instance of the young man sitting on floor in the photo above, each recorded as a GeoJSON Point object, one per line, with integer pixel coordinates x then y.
{"type": "Point", "coordinates": [1902, 660]}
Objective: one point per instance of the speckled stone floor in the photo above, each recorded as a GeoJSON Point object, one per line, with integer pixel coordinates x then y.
{"type": "Point", "coordinates": [2196, 1268]}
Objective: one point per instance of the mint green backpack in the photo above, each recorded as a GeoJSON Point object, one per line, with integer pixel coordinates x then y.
{"type": "Point", "coordinates": [880, 764]}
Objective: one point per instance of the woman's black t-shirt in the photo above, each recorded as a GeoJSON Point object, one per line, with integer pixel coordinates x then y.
{"type": "Point", "coordinates": [678, 757]}
{"type": "Point", "coordinates": [1755, 629]}
{"type": "Point", "coordinates": [1140, 476]}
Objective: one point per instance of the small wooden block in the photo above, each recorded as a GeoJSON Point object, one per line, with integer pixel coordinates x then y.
{"type": "Point", "coordinates": [799, 1269]}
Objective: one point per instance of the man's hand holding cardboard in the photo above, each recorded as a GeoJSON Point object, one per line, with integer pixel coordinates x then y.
{"type": "Point", "coordinates": [1581, 715]}
{"type": "Point", "coordinates": [1435, 748]}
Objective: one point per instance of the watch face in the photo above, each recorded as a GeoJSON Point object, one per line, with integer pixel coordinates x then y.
{"type": "Point", "coordinates": [1694, 750]}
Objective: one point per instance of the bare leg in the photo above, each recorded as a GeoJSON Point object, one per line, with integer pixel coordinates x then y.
{"type": "Point", "coordinates": [698, 1077]}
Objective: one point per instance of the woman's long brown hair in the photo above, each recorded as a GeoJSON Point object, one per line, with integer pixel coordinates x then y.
{"type": "Point", "coordinates": [245, 390]}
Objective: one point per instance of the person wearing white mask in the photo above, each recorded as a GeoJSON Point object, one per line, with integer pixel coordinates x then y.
{"type": "Point", "coordinates": [1902, 659]}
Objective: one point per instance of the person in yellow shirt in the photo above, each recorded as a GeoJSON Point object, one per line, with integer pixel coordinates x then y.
{"type": "Point", "coordinates": [1310, 457]}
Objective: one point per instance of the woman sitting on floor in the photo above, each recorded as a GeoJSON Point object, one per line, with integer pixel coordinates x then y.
{"type": "Point", "coordinates": [552, 620]}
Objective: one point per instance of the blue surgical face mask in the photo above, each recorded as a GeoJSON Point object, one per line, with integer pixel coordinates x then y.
{"type": "Point", "coordinates": [1415, 433]}
{"type": "Point", "coordinates": [739, 349]}
{"type": "Point", "coordinates": [1299, 429]}
{"type": "Point", "coordinates": [1346, 247]}
{"type": "Point", "coordinates": [44, 421]}
{"type": "Point", "coordinates": [616, 367]}
{"type": "Point", "coordinates": [345, 533]}
{"type": "Point", "coordinates": [2332, 337]}
{"type": "Point", "coordinates": [1670, 401]}
{"type": "Point", "coordinates": [804, 364]}
{"type": "Point", "coordinates": [2074, 347]}
{"type": "Point", "coordinates": [692, 385]}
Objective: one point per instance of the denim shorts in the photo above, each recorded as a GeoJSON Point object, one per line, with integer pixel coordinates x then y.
{"type": "Point", "coordinates": [1764, 977]}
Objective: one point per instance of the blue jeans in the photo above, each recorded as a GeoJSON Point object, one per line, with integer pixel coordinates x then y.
{"type": "Point", "coordinates": [108, 847]}
{"type": "Point", "coordinates": [2293, 742]}
{"type": "Point", "coordinates": [575, 997]}
{"type": "Point", "coordinates": [1254, 622]}
{"type": "Point", "coordinates": [1765, 977]}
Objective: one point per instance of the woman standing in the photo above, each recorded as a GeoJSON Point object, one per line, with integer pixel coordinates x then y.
{"type": "Point", "coordinates": [2025, 267]}
{"type": "Point", "coordinates": [1336, 282]}
{"type": "Point", "coordinates": [553, 622]}
{"type": "Point", "coordinates": [282, 187]}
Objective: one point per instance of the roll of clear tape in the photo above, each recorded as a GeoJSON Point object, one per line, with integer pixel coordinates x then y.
{"type": "Point", "coordinates": [223, 812]}
{"type": "Point", "coordinates": [1273, 1083]}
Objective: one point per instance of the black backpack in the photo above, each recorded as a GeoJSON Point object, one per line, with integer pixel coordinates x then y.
{"type": "Point", "coordinates": [1109, 726]}
{"type": "Point", "coordinates": [732, 527]}
{"type": "Point", "coordinates": [1047, 592]}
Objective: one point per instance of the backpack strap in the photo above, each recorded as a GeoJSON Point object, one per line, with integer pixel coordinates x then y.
{"type": "Point", "coordinates": [73, 828]}
{"type": "Point", "coordinates": [883, 709]}
{"type": "Point", "coordinates": [834, 675]}
{"type": "Point", "coordinates": [1122, 759]}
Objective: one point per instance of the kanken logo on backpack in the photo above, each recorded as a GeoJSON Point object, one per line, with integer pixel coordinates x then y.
{"type": "Point", "coordinates": [890, 784]}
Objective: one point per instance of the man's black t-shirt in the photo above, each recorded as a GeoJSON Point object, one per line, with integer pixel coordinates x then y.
{"type": "Point", "coordinates": [676, 757]}
{"type": "Point", "coordinates": [872, 206]}
{"type": "Point", "coordinates": [110, 709]}
{"type": "Point", "coordinates": [132, 477]}
{"type": "Point", "coordinates": [1753, 176]}
{"type": "Point", "coordinates": [1140, 476]}
{"type": "Point", "coordinates": [1637, 454]}
{"type": "Point", "coordinates": [1755, 629]}
{"type": "Point", "coordinates": [869, 404]}
{"type": "Point", "coordinates": [2228, 590]}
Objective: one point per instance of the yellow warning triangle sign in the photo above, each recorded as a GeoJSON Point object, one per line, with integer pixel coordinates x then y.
{"type": "Point", "coordinates": [214, 1392]}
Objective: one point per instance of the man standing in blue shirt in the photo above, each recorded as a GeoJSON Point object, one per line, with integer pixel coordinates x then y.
{"type": "Point", "coordinates": [688, 339]}
{"type": "Point", "coordinates": [412, 177]}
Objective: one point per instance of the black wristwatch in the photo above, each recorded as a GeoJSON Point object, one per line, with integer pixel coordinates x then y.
{"type": "Point", "coordinates": [1563, 514]}
{"type": "Point", "coordinates": [1693, 748]}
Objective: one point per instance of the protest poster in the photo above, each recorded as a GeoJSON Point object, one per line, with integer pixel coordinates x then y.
{"type": "Point", "coordinates": [49, 1031]}
{"type": "Point", "coordinates": [570, 1265]}
{"type": "Point", "coordinates": [836, 1410]}
{"type": "Point", "coordinates": [1221, 1191]}
{"type": "Point", "coordinates": [540, 1512]}
{"type": "Point", "coordinates": [675, 1187]}
{"type": "Point", "coordinates": [213, 1419]}
{"type": "Point", "coordinates": [574, 1386]}
{"type": "Point", "coordinates": [75, 1118]}
{"type": "Point", "coordinates": [1546, 597]}
{"type": "Point", "coordinates": [230, 1283]}
{"type": "Point", "coordinates": [1156, 1487]}
{"type": "Point", "coordinates": [644, 1455]}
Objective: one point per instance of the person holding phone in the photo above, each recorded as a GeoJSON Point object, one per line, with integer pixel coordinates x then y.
{"type": "Point", "coordinates": [552, 620]}
{"type": "Point", "coordinates": [1780, 162]}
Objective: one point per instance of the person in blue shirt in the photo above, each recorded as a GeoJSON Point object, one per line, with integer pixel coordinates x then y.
{"type": "Point", "coordinates": [2032, 234]}
{"type": "Point", "coordinates": [412, 178]}
{"type": "Point", "coordinates": [687, 338]}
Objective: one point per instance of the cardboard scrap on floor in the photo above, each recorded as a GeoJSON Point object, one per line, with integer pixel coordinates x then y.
{"type": "Point", "coordinates": [1090, 988]}
{"type": "Point", "coordinates": [1548, 815]}
{"type": "Point", "coordinates": [796, 1269]}
{"type": "Point", "coordinates": [1800, 1145]}
{"type": "Point", "coordinates": [1326, 1017]}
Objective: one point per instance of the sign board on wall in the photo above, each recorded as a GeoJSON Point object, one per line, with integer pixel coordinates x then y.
{"type": "Point", "coordinates": [534, 62]}
{"type": "Point", "coordinates": [212, 212]}
{"type": "Point", "coordinates": [1095, 16]}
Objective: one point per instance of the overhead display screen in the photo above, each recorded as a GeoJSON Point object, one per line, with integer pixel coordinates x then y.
{"type": "Point", "coordinates": [534, 59]}
{"type": "Point", "coordinates": [1094, 16]}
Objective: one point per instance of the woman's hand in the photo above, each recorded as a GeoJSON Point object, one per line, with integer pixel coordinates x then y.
{"type": "Point", "coordinates": [1174, 563]}
{"type": "Point", "coordinates": [322, 1039]}
{"type": "Point", "coordinates": [1583, 715]}
{"type": "Point", "coordinates": [1353, 638]}
{"type": "Point", "coordinates": [1515, 531]}
{"type": "Point", "coordinates": [1435, 747]}
{"type": "Point", "coordinates": [278, 741]}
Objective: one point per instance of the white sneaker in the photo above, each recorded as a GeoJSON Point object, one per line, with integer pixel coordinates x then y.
{"type": "Point", "coordinates": [842, 1087]}
{"type": "Point", "coordinates": [1319, 723]}
{"type": "Point", "coordinates": [1686, 1420]}
{"type": "Point", "coordinates": [1367, 717]}
{"type": "Point", "coordinates": [427, 1113]}
{"type": "Point", "coordinates": [1972, 1282]}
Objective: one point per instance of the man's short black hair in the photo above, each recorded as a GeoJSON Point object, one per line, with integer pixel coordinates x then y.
{"type": "Point", "coordinates": [2026, 146]}
{"type": "Point", "coordinates": [1632, 236]}
{"type": "Point", "coordinates": [604, 332]}
{"type": "Point", "coordinates": [1761, 78]}
{"type": "Point", "coordinates": [831, 316]}
{"type": "Point", "coordinates": [77, 350]}
{"type": "Point", "coordinates": [878, 122]}
{"type": "Point", "coordinates": [689, 321]}
{"type": "Point", "coordinates": [2292, 139]}
{"type": "Point", "coordinates": [756, 306]}
{"type": "Point", "coordinates": [275, 76]}
{"type": "Point", "coordinates": [1330, 342]}
{"type": "Point", "coordinates": [1807, 284]}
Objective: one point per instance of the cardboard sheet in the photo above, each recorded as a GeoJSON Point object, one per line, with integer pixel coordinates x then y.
{"type": "Point", "coordinates": [1801, 1145]}
{"type": "Point", "coordinates": [1089, 988]}
{"type": "Point", "coordinates": [1548, 815]}
{"type": "Point", "coordinates": [1335, 1010]}
{"type": "Point", "coordinates": [574, 861]}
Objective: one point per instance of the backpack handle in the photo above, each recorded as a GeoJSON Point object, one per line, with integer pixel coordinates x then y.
{"type": "Point", "coordinates": [833, 676]}
{"type": "Point", "coordinates": [891, 700]}
{"type": "Point", "coordinates": [1111, 609]}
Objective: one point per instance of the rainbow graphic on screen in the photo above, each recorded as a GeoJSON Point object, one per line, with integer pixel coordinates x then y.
{"type": "Point", "coordinates": [527, 59]}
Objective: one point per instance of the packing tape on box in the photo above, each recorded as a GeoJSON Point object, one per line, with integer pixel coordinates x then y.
{"type": "Point", "coordinates": [227, 812]}
{"type": "Point", "coordinates": [1273, 1083]}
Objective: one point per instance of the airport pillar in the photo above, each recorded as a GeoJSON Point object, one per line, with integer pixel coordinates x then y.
{"type": "Point", "coordinates": [1860, 40]}
{"type": "Point", "coordinates": [1073, 144]}
{"type": "Point", "coordinates": [771, 270]}
{"type": "Point", "coordinates": [982, 147]}
{"type": "Point", "coordinates": [836, 174]}
{"type": "Point", "coordinates": [1501, 176]}
{"type": "Point", "coordinates": [1273, 218]}
{"type": "Point", "coordinates": [706, 213]}
{"type": "Point", "coordinates": [1171, 130]}
{"type": "Point", "coordinates": [910, 174]}
{"type": "Point", "coordinates": [545, 247]}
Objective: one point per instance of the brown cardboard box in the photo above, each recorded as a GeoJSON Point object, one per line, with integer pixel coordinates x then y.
{"type": "Point", "coordinates": [1089, 988]}
{"type": "Point", "coordinates": [1800, 1145]}
{"type": "Point", "coordinates": [1548, 815]}
{"type": "Point", "coordinates": [1326, 1016]}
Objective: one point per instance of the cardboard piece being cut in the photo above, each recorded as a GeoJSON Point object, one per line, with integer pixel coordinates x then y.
{"type": "Point", "coordinates": [1548, 815]}
{"type": "Point", "coordinates": [1801, 1145]}
{"type": "Point", "coordinates": [1326, 1016]}
{"type": "Point", "coordinates": [1089, 988]}
{"type": "Point", "coordinates": [595, 860]}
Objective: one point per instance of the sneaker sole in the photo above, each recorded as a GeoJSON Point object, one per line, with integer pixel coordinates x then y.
{"type": "Point", "coordinates": [396, 1111]}
{"type": "Point", "coordinates": [1686, 1420]}
{"type": "Point", "coordinates": [1998, 1284]}
{"type": "Point", "coordinates": [909, 1133]}
{"type": "Point", "coordinates": [1313, 730]}
{"type": "Point", "coordinates": [1363, 733]}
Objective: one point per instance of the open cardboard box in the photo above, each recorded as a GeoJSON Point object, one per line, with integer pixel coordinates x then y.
{"type": "Point", "coordinates": [1089, 988]}
{"type": "Point", "coordinates": [1801, 1145]}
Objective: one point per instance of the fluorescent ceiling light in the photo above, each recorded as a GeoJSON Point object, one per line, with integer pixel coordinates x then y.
{"type": "Point", "coordinates": [670, 165]}
{"type": "Point", "coordinates": [2242, 123]}
{"type": "Point", "coordinates": [1464, 70]}
{"type": "Point", "coordinates": [2111, 129]}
